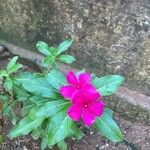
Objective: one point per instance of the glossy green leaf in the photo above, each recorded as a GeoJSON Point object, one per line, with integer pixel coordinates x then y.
{"type": "Point", "coordinates": [39, 100]}
{"type": "Point", "coordinates": [64, 46]}
{"type": "Point", "coordinates": [37, 85]}
{"type": "Point", "coordinates": [14, 118]}
{"type": "Point", "coordinates": [108, 111]}
{"type": "Point", "coordinates": [3, 73]}
{"type": "Point", "coordinates": [36, 134]}
{"type": "Point", "coordinates": [7, 109]}
{"type": "Point", "coordinates": [107, 85]}
{"type": "Point", "coordinates": [1, 138]}
{"type": "Point", "coordinates": [62, 145]}
{"type": "Point", "coordinates": [56, 79]}
{"type": "Point", "coordinates": [43, 48]}
{"type": "Point", "coordinates": [53, 50]}
{"type": "Point", "coordinates": [44, 135]}
{"type": "Point", "coordinates": [20, 93]}
{"type": "Point", "coordinates": [59, 127]}
{"type": "Point", "coordinates": [48, 109]}
{"type": "Point", "coordinates": [44, 142]}
{"type": "Point", "coordinates": [4, 98]}
{"type": "Point", "coordinates": [8, 84]}
{"type": "Point", "coordinates": [15, 68]}
{"type": "Point", "coordinates": [49, 60]}
{"type": "Point", "coordinates": [25, 126]}
{"type": "Point", "coordinates": [12, 63]}
{"type": "Point", "coordinates": [75, 132]}
{"type": "Point", "coordinates": [108, 127]}
{"type": "Point", "coordinates": [25, 77]}
{"type": "Point", "coordinates": [26, 109]}
{"type": "Point", "coordinates": [66, 58]}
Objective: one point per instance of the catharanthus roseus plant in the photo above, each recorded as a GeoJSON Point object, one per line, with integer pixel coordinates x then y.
{"type": "Point", "coordinates": [51, 102]}
{"type": "Point", "coordinates": [84, 97]}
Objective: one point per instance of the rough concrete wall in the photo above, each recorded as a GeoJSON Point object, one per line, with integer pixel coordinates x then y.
{"type": "Point", "coordinates": [111, 36]}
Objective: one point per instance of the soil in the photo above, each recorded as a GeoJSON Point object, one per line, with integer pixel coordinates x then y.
{"type": "Point", "coordinates": [136, 135]}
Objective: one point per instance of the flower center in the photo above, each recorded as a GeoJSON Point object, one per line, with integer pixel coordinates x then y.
{"type": "Point", "coordinates": [78, 86]}
{"type": "Point", "coordinates": [85, 105]}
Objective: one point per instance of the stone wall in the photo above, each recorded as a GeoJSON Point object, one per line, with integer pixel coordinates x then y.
{"type": "Point", "coordinates": [110, 36]}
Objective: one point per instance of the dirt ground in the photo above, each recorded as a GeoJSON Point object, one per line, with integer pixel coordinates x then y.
{"type": "Point", "coordinates": [136, 135]}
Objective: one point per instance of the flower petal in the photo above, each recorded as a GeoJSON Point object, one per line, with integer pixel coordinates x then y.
{"type": "Point", "coordinates": [75, 112]}
{"type": "Point", "coordinates": [88, 88]}
{"type": "Point", "coordinates": [67, 91]}
{"type": "Point", "coordinates": [71, 78]}
{"type": "Point", "coordinates": [84, 78]}
{"type": "Point", "coordinates": [78, 98]}
{"type": "Point", "coordinates": [97, 108]}
{"type": "Point", "coordinates": [92, 96]}
{"type": "Point", "coordinates": [88, 118]}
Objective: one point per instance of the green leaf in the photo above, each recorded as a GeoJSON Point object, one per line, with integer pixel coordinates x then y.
{"type": "Point", "coordinates": [1, 139]}
{"type": "Point", "coordinates": [44, 133]}
{"type": "Point", "coordinates": [62, 145]}
{"type": "Point", "coordinates": [53, 50]}
{"type": "Point", "coordinates": [59, 127]}
{"type": "Point", "coordinates": [26, 109]}
{"type": "Point", "coordinates": [43, 48]}
{"type": "Point", "coordinates": [64, 46]}
{"type": "Point", "coordinates": [36, 85]}
{"type": "Point", "coordinates": [38, 99]}
{"type": "Point", "coordinates": [49, 60]}
{"type": "Point", "coordinates": [14, 118]}
{"type": "Point", "coordinates": [14, 68]}
{"type": "Point", "coordinates": [25, 126]}
{"type": "Point", "coordinates": [108, 127]}
{"type": "Point", "coordinates": [36, 134]}
{"type": "Point", "coordinates": [8, 84]}
{"type": "Point", "coordinates": [3, 73]}
{"type": "Point", "coordinates": [66, 58]}
{"type": "Point", "coordinates": [75, 132]}
{"type": "Point", "coordinates": [20, 93]}
{"type": "Point", "coordinates": [25, 76]}
{"type": "Point", "coordinates": [12, 63]}
{"type": "Point", "coordinates": [44, 142]}
{"type": "Point", "coordinates": [108, 111]}
{"type": "Point", "coordinates": [48, 109]}
{"type": "Point", "coordinates": [107, 85]}
{"type": "Point", "coordinates": [7, 109]}
{"type": "Point", "coordinates": [56, 79]}
{"type": "Point", "coordinates": [4, 98]}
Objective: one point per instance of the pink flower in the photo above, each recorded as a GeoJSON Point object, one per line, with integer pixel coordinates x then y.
{"type": "Point", "coordinates": [86, 106]}
{"type": "Point", "coordinates": [85, 99]}
{"type": "Point", "coordinates": [76, 83]}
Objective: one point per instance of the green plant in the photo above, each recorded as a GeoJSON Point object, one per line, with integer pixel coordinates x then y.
{"type": "Point", "coordinates": [44, 106]}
